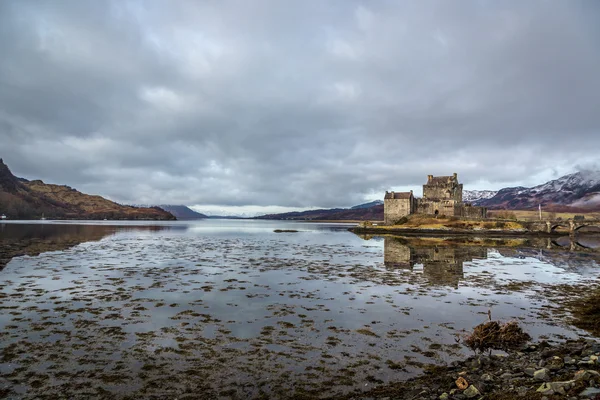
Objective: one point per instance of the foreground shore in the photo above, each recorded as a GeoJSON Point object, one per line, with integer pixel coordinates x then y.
{"type": "Point", "coordinates": [538, 371]}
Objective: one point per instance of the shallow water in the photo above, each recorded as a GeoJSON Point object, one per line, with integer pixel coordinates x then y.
{"type": "Point", "coordinates": [232, 309]}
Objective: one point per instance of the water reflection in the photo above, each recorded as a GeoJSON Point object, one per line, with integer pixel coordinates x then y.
{"type": "Point", "coordinates": [442, 265]}
{"type": "Point", "coordinates": [442, 259]}
{"type": "Point", "coordinates": [35, 238]}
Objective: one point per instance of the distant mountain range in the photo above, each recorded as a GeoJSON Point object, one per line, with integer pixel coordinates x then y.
{"type": "Point", "coordinates": [578, 192]}
{"type": "Point", "coordinates": [368, 205]}
{"type": "Point", "coordinates": [182, 212]}
{"type": "Point", "coordinates": [23, 199]}
{"type": "Point", "coordinates": [372, 211]}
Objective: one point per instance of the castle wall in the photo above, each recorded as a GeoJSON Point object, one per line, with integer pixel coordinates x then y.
{"type": "Point", "coordinates": [474, 212]}
{"type": "Point", "coordinates": [394, 209]}
{"type": "Point", "coordinates": [443, 207]}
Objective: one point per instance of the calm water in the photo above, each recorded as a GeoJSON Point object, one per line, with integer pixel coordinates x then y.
{"type": "Point", "coordinates": [233, 309]}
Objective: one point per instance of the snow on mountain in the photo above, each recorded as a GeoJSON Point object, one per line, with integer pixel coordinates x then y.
{"type": "Point", "coordinates": [580, 190]}
{"type": "Point", "coordinates": [471, 196]}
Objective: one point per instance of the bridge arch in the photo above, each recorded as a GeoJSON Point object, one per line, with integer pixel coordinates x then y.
{"type": "Point", "coordinates": [554, 226]}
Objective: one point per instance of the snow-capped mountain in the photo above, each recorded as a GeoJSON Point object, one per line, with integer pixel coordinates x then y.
{"type": "Point", "coordinates": [471, 196]}
{"type": "Point", "coordinates": [578, 191]}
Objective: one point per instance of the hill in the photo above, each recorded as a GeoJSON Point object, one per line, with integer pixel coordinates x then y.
{"type": "Point", "coordinates": [23, 199]}
{"type": "Point", "coordinates": [373, 213]}
{"type": "Point", "coordinates": [182, 212]}
{"type": "Point", "coordinates": [578, 192]}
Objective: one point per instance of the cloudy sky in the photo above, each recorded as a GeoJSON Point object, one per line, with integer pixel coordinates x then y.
{"type": "Point", "coordinates": [241, 106]}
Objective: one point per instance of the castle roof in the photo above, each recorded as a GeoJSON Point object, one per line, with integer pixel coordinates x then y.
{"type": "Point", "coordinates": [398, 195]}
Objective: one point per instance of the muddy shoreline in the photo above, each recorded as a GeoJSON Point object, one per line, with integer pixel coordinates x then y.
{"type": "Point", "coordinates": [537, 371]}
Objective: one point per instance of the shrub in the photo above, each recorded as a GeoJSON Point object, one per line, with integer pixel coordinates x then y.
{"type": "Point", "coordinates": [500, 224]}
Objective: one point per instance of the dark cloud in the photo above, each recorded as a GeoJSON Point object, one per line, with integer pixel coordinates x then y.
{"type": "Point", "coordinates": [295, 104]}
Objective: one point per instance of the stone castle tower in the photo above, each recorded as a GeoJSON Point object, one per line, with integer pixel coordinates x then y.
{"type": "Point", "coordinates": [442, 195]}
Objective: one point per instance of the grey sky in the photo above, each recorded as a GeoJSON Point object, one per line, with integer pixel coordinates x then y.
{"type": "Point", "coordinates": [238, 105]}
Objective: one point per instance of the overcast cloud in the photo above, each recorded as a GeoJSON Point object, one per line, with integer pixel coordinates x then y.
{"type": "Point", "coordinates": [248, 104]}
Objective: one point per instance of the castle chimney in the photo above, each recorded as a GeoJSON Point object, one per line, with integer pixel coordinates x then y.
{"type": "Point", "coordinates": [455, 176]}
{"type": "Point", "coordinates": [429, 178]}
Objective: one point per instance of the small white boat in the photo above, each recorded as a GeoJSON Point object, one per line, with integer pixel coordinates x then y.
{"type": "Point", "coordinates": [2, 216]}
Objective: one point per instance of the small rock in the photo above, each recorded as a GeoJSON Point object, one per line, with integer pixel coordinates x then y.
{"type": "Point", "coordinates": [529, 371]}
{"type": "Point", "coordinates": [569, 361]}
{"type": "Point", "coordinates": [471, 392]}
{"type": "Point", "coordinates": [585, 375]}
{"type": "Point", "coordinates": [555, 387]}
{"type": "Point", "coordinates": [541, 375]}
{"type": "Point", "coordinates": [541, 363]}
{"type": "Point", "coordinates": [555, 363]}
{"type": "Point", "coordinates": [590, 392]}
{"type": "Point", "coordinates": [444, 396]}
{"type": "Point", "coordinates": [487, 378]}
{"type": "Point", "coordinates": [587, 362]}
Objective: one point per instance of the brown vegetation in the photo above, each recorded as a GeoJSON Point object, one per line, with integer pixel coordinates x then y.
{"type": "Point", "coordinates": [586, 313]}
{"type": "Point", "coordinates": [493, 335]}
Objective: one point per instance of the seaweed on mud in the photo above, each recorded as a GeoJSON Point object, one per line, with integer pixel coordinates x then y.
{"type": "Point", "coordinates": [586, 313]}
{"type": "Point", "coordinates": [497, 336]}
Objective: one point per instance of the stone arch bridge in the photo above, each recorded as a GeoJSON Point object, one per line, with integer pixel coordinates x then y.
{"type": "Point", "coordinates": [572, 226]}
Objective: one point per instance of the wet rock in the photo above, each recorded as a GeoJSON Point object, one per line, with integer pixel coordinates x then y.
{"type": "Point", "coordinates": [586, 375]}
{"type": "Point", "coordinates": [569, 361]}
{"type": "Point", "coordinates": [555, 363]}
{"type": "Point", "coordinates": [590, 392]}
{"type": "Point", "coordinates": [487, 378]}
{"type": "Point", "coordinates": [444, 396]}
{"type": "Point", "coordinates": [549, 388]}
{"type": "Point", "coordinates": [541, 375]}
{"type": "Point", "coordinates": [471, 392]}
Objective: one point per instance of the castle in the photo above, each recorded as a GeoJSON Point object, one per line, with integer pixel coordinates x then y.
{"type": "Point", "coordinates": [442, 195]}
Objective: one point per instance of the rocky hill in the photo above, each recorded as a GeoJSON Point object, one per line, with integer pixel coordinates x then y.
{"type": "Point", "coordinates": [23, 199]}
{"type": "Point", "coordinates": [578, 192]}
{"type": "Point", "coordinates": [182, 212]}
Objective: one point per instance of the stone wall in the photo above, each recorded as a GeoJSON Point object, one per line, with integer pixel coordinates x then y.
{"type": "Point", "coordinates": [474, 212]}
{"type": "Point", "coordinates": [394, 209]}
{"type": "Point", "coordinates": [443, 207]}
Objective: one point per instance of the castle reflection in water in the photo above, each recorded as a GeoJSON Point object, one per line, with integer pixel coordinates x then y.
{"type": "Point", "coordinates": [442, 265]}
